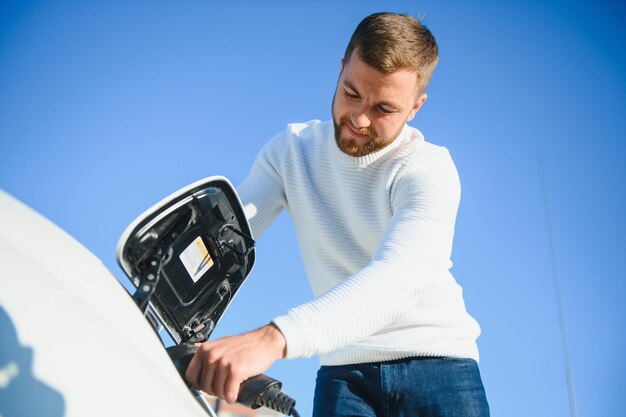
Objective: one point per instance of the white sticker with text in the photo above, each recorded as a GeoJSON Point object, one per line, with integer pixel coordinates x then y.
{"type": "Point", "coordinates": [196, 259]}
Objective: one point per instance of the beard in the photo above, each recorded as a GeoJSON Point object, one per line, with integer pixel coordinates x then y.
{"type": "Point", "coordinates": [350, 146]}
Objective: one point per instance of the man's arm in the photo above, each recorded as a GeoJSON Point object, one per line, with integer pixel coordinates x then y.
{"type": "Point", "coordinates": [415, 248]}
{"type": "Point", "coordinates": [262, 193]}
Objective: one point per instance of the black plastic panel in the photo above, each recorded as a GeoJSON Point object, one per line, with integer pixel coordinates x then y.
{"type": "Point", "coordinates": [204, 222]}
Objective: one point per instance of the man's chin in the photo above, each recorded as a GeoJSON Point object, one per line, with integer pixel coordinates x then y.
{"type": "Point", "coordinates": [350, 146]}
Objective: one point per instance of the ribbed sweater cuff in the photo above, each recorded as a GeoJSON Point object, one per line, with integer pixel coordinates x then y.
{"type": "Point", "coordinates": [294, 336]}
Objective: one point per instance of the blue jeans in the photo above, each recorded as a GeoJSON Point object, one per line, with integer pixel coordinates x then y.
{"type": "Point", "coordinates": [416, 387]}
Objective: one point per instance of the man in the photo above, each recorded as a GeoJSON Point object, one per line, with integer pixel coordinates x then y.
{"type": "Point", "coordinates": [374, 206]}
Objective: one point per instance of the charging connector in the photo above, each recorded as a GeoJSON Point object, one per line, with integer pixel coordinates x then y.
{"type": "Point", "coordinates": [263, 391]}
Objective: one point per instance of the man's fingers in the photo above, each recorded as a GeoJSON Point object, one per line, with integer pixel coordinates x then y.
{"type": "Point", "coordinates": [219, 367]}
{"type": "Point", "coordinates": [194, 370]}
{"type": "Point", "coordinates": [207, 379]}
{"type": "Point", "coordinates": [231, 391]}
{"type": "Point", "coordinates": [219, 379]}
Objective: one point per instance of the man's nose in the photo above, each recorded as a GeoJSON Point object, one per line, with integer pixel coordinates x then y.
{"type": "Point", "coordinates": [359, 118]}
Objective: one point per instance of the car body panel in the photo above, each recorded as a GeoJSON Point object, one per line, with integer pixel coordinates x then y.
{"type": "Point", "coordinates": [92, 351]}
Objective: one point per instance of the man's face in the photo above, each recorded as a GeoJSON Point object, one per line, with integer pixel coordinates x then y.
{"type": "Point", "coordinates": [370, 108]}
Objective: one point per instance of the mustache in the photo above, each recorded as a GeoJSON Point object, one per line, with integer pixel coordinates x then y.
{"type": "Point", "coordinates": [364, 131]}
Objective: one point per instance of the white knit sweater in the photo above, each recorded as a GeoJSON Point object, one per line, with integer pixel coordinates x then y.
{"type": "Point", "coordinates": [375, 233]}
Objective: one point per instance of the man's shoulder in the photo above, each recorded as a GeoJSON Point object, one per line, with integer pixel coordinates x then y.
{"type": "Point", "coordinates": [301, 137]}
{"type": "Point", "coordinates": [426, 162]}
{"type": "Point", "coordinates": [312, 128]}
{"type": "Point", "coordinates": [428, 148]}
{"type": "Point", "coordinates": [296, 140]}
{"type": "Point", "coordinates": [421, 152]}
{"type": "Point", "coordinates": [429, 172]}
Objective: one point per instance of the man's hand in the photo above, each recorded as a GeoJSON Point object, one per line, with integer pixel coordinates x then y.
{"type": "Point", "coordinates": [220, 366]}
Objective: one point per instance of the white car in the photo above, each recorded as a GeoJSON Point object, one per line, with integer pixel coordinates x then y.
{"type": "Point", "coordinates": [72, 340]}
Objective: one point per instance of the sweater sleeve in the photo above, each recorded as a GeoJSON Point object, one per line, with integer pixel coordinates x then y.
{"type": "Point", "coordinates": [416, 244]}
{"type": "Point", "coordinates": [262, 193]}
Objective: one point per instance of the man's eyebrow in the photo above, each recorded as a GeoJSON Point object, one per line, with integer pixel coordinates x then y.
{"type": "Point", "coordinates": [350, 86]}
{"type": "Point", "coordinates": [394, 106]}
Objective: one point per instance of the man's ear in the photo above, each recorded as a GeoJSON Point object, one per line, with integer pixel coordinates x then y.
{"type": "Point", "coordinates": [418, 103]}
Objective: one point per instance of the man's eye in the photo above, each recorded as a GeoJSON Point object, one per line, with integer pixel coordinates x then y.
{"type": "Point", "coordinates": [385, 110]}
{"type": "Point", "coordinates": [351, 95]}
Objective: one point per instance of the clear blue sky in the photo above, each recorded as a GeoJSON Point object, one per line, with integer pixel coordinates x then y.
{"type": "Point", "coordinates": [106, 107]}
